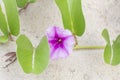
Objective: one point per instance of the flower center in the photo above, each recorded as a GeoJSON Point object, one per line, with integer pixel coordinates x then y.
{"type": "Point", "coordinates": [59, 40]}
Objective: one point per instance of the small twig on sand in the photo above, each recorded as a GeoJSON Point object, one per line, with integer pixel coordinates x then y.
{"type": "Point", "coordinates": [11, 58]}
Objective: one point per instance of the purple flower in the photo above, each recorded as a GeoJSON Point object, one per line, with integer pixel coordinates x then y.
{"type": "Point", "coordinates": [61, 42]}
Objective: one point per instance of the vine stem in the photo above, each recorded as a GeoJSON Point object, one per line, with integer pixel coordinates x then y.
{"type": "Point", "coordinates": [76, 41]}
{"type": "Point", "coordinates": [10, 37]}
{"type": "Point", "coordinates": [77, 47]}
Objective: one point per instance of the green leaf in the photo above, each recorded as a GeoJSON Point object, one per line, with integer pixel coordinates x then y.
{"type": "Point", "coordinates": [25, 53]}
{"type": "Point", "coordinates": [12, 16]}
{"type": "Point", "coordinates": [111, 53]}
{"type": "Point", "coordinates": [3, 39]}
{"type": "Point", "coordinates": [21, 3]}
{"type": "Point", "coordinates": [116, 51]}
{"type": "Point", "coordinates": [32, 60]}
{"type": "Point", "coordinates": [32, 1]}
{"type": "Point", "coordinates": [41, 56]}
{"type": "Point", "coordinates": [108, 50]}
{"type": "Point", "coordinates": [72, 15]}
{"type": "Point", "coordinates": [105, 34]}
{"type": "Point", "coordinates": [3, 27]}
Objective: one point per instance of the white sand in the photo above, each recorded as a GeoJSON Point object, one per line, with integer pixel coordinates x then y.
{"type": "Point", "coordinates": [80, 65]}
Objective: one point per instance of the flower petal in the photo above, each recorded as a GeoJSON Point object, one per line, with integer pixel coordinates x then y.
{"type": "Point", "coordinates": [50, 33]}
{"type": "Point", "coordinates": [59, 53]}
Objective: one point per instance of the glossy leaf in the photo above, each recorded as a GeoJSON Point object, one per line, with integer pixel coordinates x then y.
{"type": "Point", "coordinates": [12, 16]}
{"type": "Point", "coordinates": [3, 27]}
{"type": "Point", "coordinates": [72, 15]}
{"type": "Point", "coordinates": [111, 53]}
{"type": "Point", "coordinates": [32, 60]}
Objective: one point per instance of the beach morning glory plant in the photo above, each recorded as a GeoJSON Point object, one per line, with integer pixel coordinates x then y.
{"type": "Point", "coordinates": [56, 43]}
{"type": "Point", "coordinates": [61, 42]}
